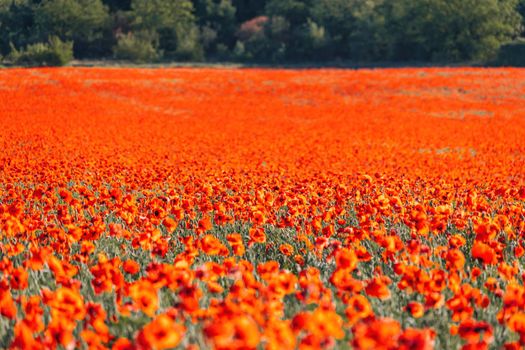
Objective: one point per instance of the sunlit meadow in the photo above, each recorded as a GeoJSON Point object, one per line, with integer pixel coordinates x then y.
{"type": "Point", "coordinates": [262, 209]}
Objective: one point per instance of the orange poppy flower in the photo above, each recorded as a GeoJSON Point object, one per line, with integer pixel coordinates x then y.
{"type": "Point", "coordinates": [19, 279]}
{"type": "Point", "coordinates": [204, 224]}
{"type": "Point", "coordinates": [212, 246]}
{"type": "Point", "coordinates": [257, 235]}
{"type": "Point", "coordinates": [358, 308]}
{"type": "Point", "coordinates": [145, 296]}
{"type": "Point", "coordinates": [24, 338]}
{"type": "Point", "coordinates": [416, 309]}
{"type": "Point", "coordinates": [378, 287]}
{"type": "Point", "coordinates": [421, 339]}
{"type": "Point", "coordinates": [484, 252]}
{"type": "Point", "coordinates": [235, 241]}
{"type": "Point", "coordinates": [131, 267]}
{"type": "Point", "coordinates": [377, 334]}
{"type": "Point", "coordinates": [238, 332]}
{"type": "Point", "coordinates": [161, 333]}
{"type": "Point", "coordinates": [286, 249]}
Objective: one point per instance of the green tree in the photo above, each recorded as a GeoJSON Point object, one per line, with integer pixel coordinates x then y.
{"type": "Point", "coordinates": [85, 22]}
{"type": "Point", "coordinates": [117, 5]}
{"type": "Point", "coordinates": [294, 11]}
{"type": "Point", "coordinates": [53, 53]}
{"type": "Point", "coordinates": [352, 27]}
{"type": "Point", "coordinates": [288, 28]}
{"type": "Point", "coordinates": [328, 29]}
{"type": "Point", "coordinates": [521, 11]}
{"type": "Point", "coordinates": [16, 24]}
{"type": "Point", "coordinates": [171, 25]}
{"type": "Point", "coordinates": [267, 30]}
{"type": "Point", "coordinates": [216, 21]}
{"type": "Point", "coordinates": [448, 30]}
{"type": "Point", "coordinates": [246, 10]}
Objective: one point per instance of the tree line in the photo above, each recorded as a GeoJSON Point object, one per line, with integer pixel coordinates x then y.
{"type": "Point", "coordinates": [259, 30]}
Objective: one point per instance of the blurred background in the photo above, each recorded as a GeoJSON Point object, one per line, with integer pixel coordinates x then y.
{"type": "Point", "coordinates": [375, 32]}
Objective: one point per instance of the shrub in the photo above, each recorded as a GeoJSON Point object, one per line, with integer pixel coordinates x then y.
{"type": "Point", "coordinates": [189, 46]}
{"type": "Point", "coordinates": [252, 29]}
{"type": "Point", "coordinates": [85, 22]}
{"type": "Point", "coordinates": [263, 39]}
{"type": "Point", "coordinates": [136, 48]}
{"type": "Point", "coordinates": [53, 53]}
{"type": "Point", "coordinates": [512, 54]}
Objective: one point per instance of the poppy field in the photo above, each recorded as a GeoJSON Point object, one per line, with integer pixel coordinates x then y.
{"type": "Point", "coordinates": [262, 209]}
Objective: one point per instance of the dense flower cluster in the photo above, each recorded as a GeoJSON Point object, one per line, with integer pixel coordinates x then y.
{"type": "Point", "coordinates": [275, 209]}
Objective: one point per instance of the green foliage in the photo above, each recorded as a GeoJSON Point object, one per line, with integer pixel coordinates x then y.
{"type": "Point", "coordinates": [452, 30]}
{"type": "Point", "coordinates": [135, 48]}
{"type": "Point", "coordinates": [82, 21]}
{"type": "Point", "coordinates": [217, 24]}
{"type": "Point", "coordinates": [295, 11]}
{"type": "Point", "coordinates": [512, 54]}
{"type": "Point", "coordinates": [269, 30]}
{"type": "Point", "coordinates": [353, 27]}
{"type": "Point", "coordinates": [118, 5]}
{"type": "Point", "coordinates": [156, 14]}
{"type": "Point", "coordinates": [173, 25]}
{"type": "Point", "coordinates": [263, 39]}
{"type": "Point", "coordinates": [521, 11]}
{"type": "Point", "coordinates": [53, 53]}
{"type": "Point", "coordinates": [248, 9]}
{"type": "Point", "coordinates": [16, 22]}
{"type": "Point", "coordinates": [188, 46]}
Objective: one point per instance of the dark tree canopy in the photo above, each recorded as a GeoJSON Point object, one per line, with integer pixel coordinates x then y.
{"type": "Point", "coordinates": [267, 30]}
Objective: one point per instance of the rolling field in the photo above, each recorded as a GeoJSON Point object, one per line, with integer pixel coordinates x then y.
{"type": "Point", "coordinates": [262, 209]}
